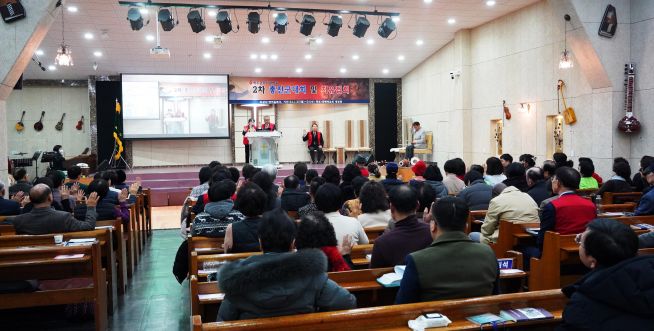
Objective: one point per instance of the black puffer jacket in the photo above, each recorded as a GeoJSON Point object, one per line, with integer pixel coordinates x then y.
{"type": "Point", "coordinates": [617, 298]}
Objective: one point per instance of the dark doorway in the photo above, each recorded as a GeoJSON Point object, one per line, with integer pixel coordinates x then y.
{"type": "Point", "coordinates": [106, 94]}
{"type": "Point", "coordinates": [385, 120]}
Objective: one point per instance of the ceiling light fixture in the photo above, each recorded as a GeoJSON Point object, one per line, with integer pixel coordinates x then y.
{"type": "Point", "coordinates": [427, 1]}
{"type": "Point", "coordinates": [165, 17]}
{"type": "Point", "coordinates": [149, 37]}
{"type": "Point", "coordinates": [39, 52]}
{"type": "Point", "coordinates": [88, 36]}
{"type": "Point", "coordinates": [253, 56]}
{"type": "Point", "coordinates": [196, 21]}
{"type": "Point", "coordinates": [135, 19]}
{"type": "Point", "coordinates": [396, 19]}
{"type": "Point", "coordinates": [64, 55]}
{"type": "Point", "coordinates": [343, 70]}
{"type": "Point", "coordinates": [355, 57]}
{"type": "Point", "coordinates": [97, 54]}
{"type": "Point", "coordinates": [566, 58]}
{"type": "Point", "coordinates": [72, 9]}
{"type": "Point", "coordinates": [254, 21]}
{"type": "Point", "coordinates": [213, 13]}
{"type": "Point", "coordinates": [274, 57]}
{"type": "Point", "coordinates": [298, 70]}
{"type": "Point", "coordinates": [318, 40]}
{"type": "Point", "coordinates": [209, 38]}
{"type": "Point", "coordinates": [451, 20]}
{"type": "Point", "coordinates": [308, 57]}
{"type": "Point", "coordinates": [490, 3]}
{"type": "Point", "coordinates": [144, 11]}
{"type": "Point", "coordinates": [224, 22]}
{"type": "Point", "coordinates": [386, 28]}
{"type": "Point", "coordinates": [370, 41]}
{"type": "Point", "coordinates": [265, 40]}
{"type": "Point", "coordinates": [334, 25]}
{"type": "Point", "coordinates": [385, 71]}
{"type": "Point", "coordinates": [207, 55]}
{"type": "Point", "coordinates": [308, 22]}
{"type": "Point", "coordinates": [400, 58]}
{"type": "Point", "coordinates": [52, 68]}
{"type": "Point", "coordinates": [257, 70]}
{"type": "Point", "coordinates": [263, 57]}
{"type": "Point", "coordinates": [281, 22]}
{"type": "Point", "coordinates": [419, 42]}
{"type": "Point", "coordinates": [361, 27]}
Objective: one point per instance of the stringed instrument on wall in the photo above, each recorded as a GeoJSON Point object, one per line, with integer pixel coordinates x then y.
{"type": "Point", "coordinates": [20, 126]}
{"type": "Point", "coordinates": [80, 124]}
{"type": "Point", "coordinates": [38, 126]}
{"type": "Point", "coordinates": [629, 123]}
{"type": "Point", "coordinates": [568, 112]}
{"type": "Point", "coordinates": [60, 124]}
{"type": "Point", "coordinates": [507, 113]}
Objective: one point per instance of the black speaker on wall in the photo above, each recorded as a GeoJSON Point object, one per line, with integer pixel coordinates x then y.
{"type": "Point", "coordinates": [105, 101]}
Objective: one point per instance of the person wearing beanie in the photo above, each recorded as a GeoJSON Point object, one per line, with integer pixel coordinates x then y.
{"type": "Point", "coordinates": [391, 180]}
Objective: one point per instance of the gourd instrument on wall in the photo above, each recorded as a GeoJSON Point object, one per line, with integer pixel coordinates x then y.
{"type": "Point", "coordinates": [568, 112]}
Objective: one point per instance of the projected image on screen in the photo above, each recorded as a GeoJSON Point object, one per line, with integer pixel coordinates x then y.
{"type": "Point", "coordinates": [175, 106]}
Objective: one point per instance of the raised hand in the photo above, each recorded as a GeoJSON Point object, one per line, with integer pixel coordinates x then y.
{"type": "Point", "coordinates": [134, 188]}
{"type": "Point", "coordinates": [65, 193]}
{"type": "Point", "coordinates": [92, 200]}
{"type": "Point", "coordinates": [18, 197]}
{"type": "Point", "coordinates": [122, 197]}
{"type": "Point", "coordinates": [79, 196]}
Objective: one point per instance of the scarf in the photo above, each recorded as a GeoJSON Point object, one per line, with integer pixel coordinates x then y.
{"type": "Point", "coordinates": [334, 259]}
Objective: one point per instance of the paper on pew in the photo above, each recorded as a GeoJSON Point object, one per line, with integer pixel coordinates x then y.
{"type": "Point", "coordinates": [369, 257]}
{"type": "Point", "coordinates": [392, 279]}
{"type": "Point", "coordinates": [212, 296]}
{"type": "Point", "coordinates": [69, 256]}
{"type": "Point", "coordinates": [110, 227]}
{"type": "Point", "coordinates": [80, 242]}
{"type": "Point", "coordinates": [612, 214]}
{"type": "Point", "coordinates": [510, 271]}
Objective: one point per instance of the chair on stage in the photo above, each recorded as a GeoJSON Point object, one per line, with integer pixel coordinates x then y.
{"type": "Point", "coordinates": [400, 152]}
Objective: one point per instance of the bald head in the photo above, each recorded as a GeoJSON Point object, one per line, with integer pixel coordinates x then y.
{"type": "Point", "coordinates": [41, 195]}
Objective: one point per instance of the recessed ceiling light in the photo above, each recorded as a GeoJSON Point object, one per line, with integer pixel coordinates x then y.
{"type": "Point", "coordinates": [490, 3]}
{"type": "Point", "coordinates": [451, 20]}
{"type": "Point", "coordinates": [273, 57]}
{"type": "Point", "coordinates": [396, 19]}
{"type": "Point", "coordinates": [257, 70]}
{"type": "Point", "coordinates": [343, 70]}
{"type": "Point", "coordinates": [319, 41]}
{"type": "Point", "coordinates": [213, 13]}
{"type": "Point", "coordinates": [207, 55]}
{"type": "Point", "coordinates": [401, 57]}
{"type": "Point", "coordinates": [274, 15]}
{"type": "Point", "coordinates": [265, 40]}
{"type": "Point", "coordinates": [254, 56]}
{"type": "Point", "coordinates": [149, 37]}
{"type": "Point", "coordinates": [355, 57]}
{"type": "Point", "coordinates": [97, 53]}
{"type": "Point", "coordinates": [370, 41]}
{"type": "Point", "coordinates": [208, 39]}
{"type": "Point", "coordinates": [419, 42]}
{"type": "Point", "coordinates": [308, 56]}
{"type": "Point", "coordinates": [39, 52]}
{"type": "Point", "coordinates": [298, 70]}
{"type": "Point", "coordinates": [88, 35]}
{"type": "Point", "coordinates": [385, 71]}
{"type": "Point", "coordinates": [427, 1]}
{"type": "Point", "coordinates": [72, 9]}
{"type": "Point", "coordinates": [263, 57]}
{"type": "Point", "coordinates": [52, 68]}
{"type": "Point", "coordinates": [143, 11]}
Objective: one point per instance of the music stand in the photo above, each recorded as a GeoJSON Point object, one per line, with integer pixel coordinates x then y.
{"type": "Point", "coordinates": [35, 157]}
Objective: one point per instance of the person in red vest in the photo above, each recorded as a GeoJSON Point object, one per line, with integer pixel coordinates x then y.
{"type": "Point", "coordinates": [569, 213]}
{"type": "Point", "coordinates": [251, 127]}
{"type": "Point", "coordinates": [314, 143]}
{"type": "Point", "coordinates": [267, 126]}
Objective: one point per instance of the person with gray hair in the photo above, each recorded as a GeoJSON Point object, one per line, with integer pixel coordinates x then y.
{"type": "Point", "coordinates": [537, 185]}
{"type": "Point", "coordinates": [8, 207]}
{"type": "Point", "coordinates": [271, 170]}
{"type": "Point", "coordinates": [43, 219]}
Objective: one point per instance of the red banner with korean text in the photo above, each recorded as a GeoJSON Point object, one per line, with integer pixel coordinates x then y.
{"type": "Point", "coordinates": [269, 90]}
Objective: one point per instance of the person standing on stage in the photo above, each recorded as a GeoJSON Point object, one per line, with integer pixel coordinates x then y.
{"type": "Point", "coordinates": [314, 143]}
{"type": "Point", "coordinates": [419, 140]}
{"type": "Point", "coordinates": [267, 126]}
{"type": "Point", "coordinates": [248, 128]}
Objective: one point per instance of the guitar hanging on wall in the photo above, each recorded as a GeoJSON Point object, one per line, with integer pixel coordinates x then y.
{"type": "Point", "coordinates": [629, 123]}
{"type": "Point", "coordinates": [38, 126]}
{"type": "Point", "coordinates": [60, 124]}
{"type": "Point", "coordinates": [507, 113]}
{"type": "Point", "coordinates": [20, 126]}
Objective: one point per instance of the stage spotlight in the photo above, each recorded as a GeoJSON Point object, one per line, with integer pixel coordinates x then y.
{"type": "Point", "coordinates": [224, 22]}
{"type": "Point", "coordinates": [308, 22]}
{"type": "Point", "coordinates": [334, 25]}
{"type": "Point", "coordinates": [361, 27]}
{"type": "Point", "coordinates": [386, 28]}
{"type": "Point", "coordinates": [281, 22]}
{"type": "Point", "coordinates": [196, 21]}
{"type": "Point", "coordinates": [135, 19]}
{"type": "Point", "coordinates": [254, 20]}
{"type": "Point", "coordinates": [166, 19]}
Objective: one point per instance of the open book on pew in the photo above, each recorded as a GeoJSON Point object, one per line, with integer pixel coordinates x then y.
{"type": "Point", "coordinates": [532, 231]}
{"type": "Point", "coordinates": [392, 279]}
{"type": "Point", "coordinates": [80, 242]}
{"type": "Point", "coordinates": [511, 315]}
{"type": "Point", "coordinates": [643, 226]}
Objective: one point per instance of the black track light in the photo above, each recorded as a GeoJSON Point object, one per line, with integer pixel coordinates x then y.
{"type": "Point", "coordinates": [334, 25]}
{"type": "Point", "coordinates": [135, 19]}
{"type": "Point", "coordinates": [361, 27]}
{"type": "Point", "coordinates": [224, 22]}
{"type": "Point", "coordinates": [386, 28]}
{"type": "Point", "coordinates": [308, 22]}
{"type": "Point", "coordinates": [195, 20]}
{"type": "Point", "coordinates": [281, 22]}
{"type": "Point", "coordinates": [254, 20]}
{"type": "Point", "coordinates": [166, 19]}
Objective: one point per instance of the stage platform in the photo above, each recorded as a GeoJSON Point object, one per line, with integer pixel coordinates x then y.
{"type": "Point", "coordinates": [170, 185]}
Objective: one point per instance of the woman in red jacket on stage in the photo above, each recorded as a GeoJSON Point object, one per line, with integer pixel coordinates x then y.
{"type": "Point", "coordinates": [251, 127]}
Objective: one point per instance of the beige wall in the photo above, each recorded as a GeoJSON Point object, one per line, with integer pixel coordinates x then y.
{"type": "Point", "coordinates": [515, 58]}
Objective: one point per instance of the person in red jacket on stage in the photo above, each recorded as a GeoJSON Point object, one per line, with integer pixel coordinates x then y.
{"type": "Point", "coordinates": [267, 126]}
{"type": "Point", "coordinates": [251, 127]}
{"type": "Point", "coordinates": [314, 143]}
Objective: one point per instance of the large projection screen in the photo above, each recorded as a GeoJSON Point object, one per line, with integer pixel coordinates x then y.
{"type": "Point", "coordinates": [175, 106]}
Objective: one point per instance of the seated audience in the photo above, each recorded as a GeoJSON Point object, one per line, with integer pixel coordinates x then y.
{"type": "Point", "coordinates": [22, 182]}
{"type": "Point", "coordinates": [597, 177]}
{"type": "Point", "coordinates": [418, 170]}
{"type": "Point", "coordinates": [561, 160]}
{"type": "Point", "coordinates": [587, 181]}
{"type": "Point", "coordinates": [528, 161]}
{"type": "Point", "coordinates": [332, 175]}
{"type": "Point", "coordinates": [515, 176]}
{"type": "Point", "coordinates": [313, 188]}
{"type": "Point", "coordinates": [509, 204]}
{"type": "Point", "coordinates": [218, 174]}
{"type": "Point", "coordinates": [309, 176]}
{"type": "Point", "coordinates": [43, 219]}
{"type": "Point", "coordinates": [646, 204]}
{"type": "Point", "coordinates": [391, 179]}
{"type": "Point", "coordinates": [271, 171]}
{"type": "Point", "coordinates": [121, 177]}
{"type": "Point", "coordinates": [235, 174]}
{"type": "Point", "coordinates": [477, 194]}
{"type": "Point", "coordinates": [453, 266]}
{"type": "Point", "coordinates": [263, 180]}
{"type": "Point", "coordinates": [64, 205]}
{"type": "Point", "coordinates": [478, 168]}
{"type": "Point", "coordinates": [279, 282]}
{"type": "Point", "coordinates": [360, 161]}
{"type": "Point", "coordinates": [537, 185]}
{"type": "Point", "coordinates": [8, 207]}
{"type": "Point", "coordinates": [460, 167]}
{"type": "Point", "coordinates": [328, 200]}
{"type": "Point", "coordinates": [57, 177]}
{"type": "Point", "coordinates": [453, 184]}
{"type": "Point", "coordinates": [74, 174]}
{"type": "Point", "coordinates": [315, 231]}
{"type": "Point", "coordinates": [375, 210]}
{"type": "Point", "coordinates": [506, 159]}
{"type": "Point", "coordinates": [426, 197]}
{"type": "Point", "coordinates": [639, 182]}
{"type": "Point", "coordinates": [106, 209]}
{"type": "Point", "coordinates": [350, 172]}
{"type": "Point", "coordinates": [617, 294]}
{"type": "Point", "coordinates": [249, 171]}
{"type": "Point", "coordinates": [300, 171]}
{"type": "Point", "coordinates": [352, 207]}
{"type": "Point", "coordinates": [218, 213]}
{"type": "Point", "coordinates": [204, 176]}
{"type": "Point", "coordinates": [374, 173]}
{"type": "Point", "coordinates": [494, 171]}
{"type": "Point", "coordinates": [569, 213]}
{"type": "Point", "coordinates": [434, 178]}
{"type": "Point", "coordinates": [619, 182]}
{"type": "Point", "coordinates": [241, 236]}
{"type": "Point", "coordinates": [407, 236]}
{"type": "Point", "coordinates": [292, 197]}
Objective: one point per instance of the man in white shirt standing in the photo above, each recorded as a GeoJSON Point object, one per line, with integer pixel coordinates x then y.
{"type": "Point", "coordinates": [329, 200]}
{"type": "Point", "coordinates": [419, 139]}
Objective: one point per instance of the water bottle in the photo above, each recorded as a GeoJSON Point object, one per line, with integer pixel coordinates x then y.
{"type": "Point", "coordinates": [598, 204]}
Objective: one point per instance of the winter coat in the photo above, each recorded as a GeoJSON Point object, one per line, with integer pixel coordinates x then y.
{"type": "Point", "coordinates": [294, 199]}
{"type": "Point", "coordinates": [620, 297]}
{"type": "Point", "coordinates": [441, 190]}
{"type": "Point", "coordinates": [477, 196]}
{"type": "Point", "coordinates": [214, 220]}
{"type": "Point", "coordinates": [279, 284]}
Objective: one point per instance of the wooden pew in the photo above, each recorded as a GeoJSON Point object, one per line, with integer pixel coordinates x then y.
{"type": "Point", "coordinates": [396, 317]}
{"type": "Point", "coordinates": [622, 197]}
{"type": "Point", "coordinates": [373, 232]}
{"type": "Point", "coordinates": [105, 240]}
{"type": "Point", "coordinates": [147, 209]}
{"type": "Point", "coordinates": [197, 266]}
{"type": "Point", "coordinates": [40, 263]}
{"type": "Point", "coordinates": [474, 220]}
{"type": "Point", "coordinates": [619, 207]}
{"type": "Point", "coordinates": [205, 245]}
{"type": "Point", "coordinates": [645, 251]}
{"type": "Point", "coordinates": [510, 235]}
{"type": "Point", "coordinates": [358, 256]}
{"type": "Point", "coordinates": [120, 249]}
{"type": "Point", "coordinates": [545, 273]}
{"type": "Point", "coordinates": [7, 230]}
